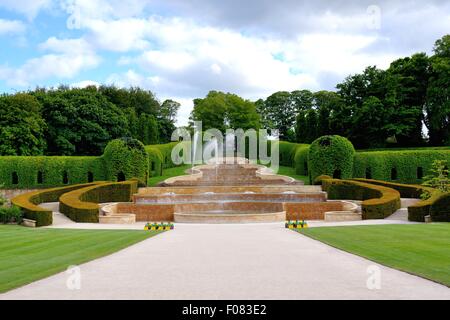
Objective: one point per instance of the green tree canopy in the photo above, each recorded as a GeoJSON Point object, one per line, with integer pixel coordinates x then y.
{"type": "Point", "coordinates": [21, 126]}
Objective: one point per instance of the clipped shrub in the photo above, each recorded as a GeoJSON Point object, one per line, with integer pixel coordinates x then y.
{"type": "Point", "coordinates": [82, 205]}
{"type": "Point", "coordinates": [406, 190]}
{"type": "Point", "coordinates": [332, 156]}
{"type": "Point", "coordinates": [301, 160]}
{"type": "Point", "coordinates": [125, 159]}
{"type": "Point", "coordinates": [440, 209]}
{"type": "Point", "coordinates": [378, 202]}
{"type": "Point", "coordinates": [410, 165]}
{"type": "Point", "coordinates": [11, 214]}
{"type": "Point", "coordinates": [44, 172]}
{"type": "Point", "coordinates": [319, 180]}
{"type": "Point", "coordinates": [29, 203]}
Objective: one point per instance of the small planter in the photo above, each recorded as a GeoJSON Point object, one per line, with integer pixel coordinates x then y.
{"type": "Point", "coordinates": [159, 226]}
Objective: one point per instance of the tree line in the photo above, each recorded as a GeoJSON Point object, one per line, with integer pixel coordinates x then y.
{"type": "Point", "coordinates": [376, 108]}
{"type": "Point", "coordinates": [81, 121]}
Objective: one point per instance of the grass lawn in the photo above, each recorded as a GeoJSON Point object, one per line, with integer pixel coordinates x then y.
{"type": "Point", "coordinates": [168, 173]}
{"type": "Point", "coordinates": [290, 172]}
{"type": "Point", "coordinates": [27, 255]}
{"type": "Point", "coordinates": [423, 250]}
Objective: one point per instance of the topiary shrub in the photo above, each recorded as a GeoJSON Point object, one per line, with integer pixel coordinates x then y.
{"type": "Point", "coordinates": [319, 180]}
{"type": "Point", "coordinates": [301, 160]}
{"type": "Point", "coordinates": [82, 205]}
{"type": "Point", "coordinates": [378, 202]}
{"type": "Point", "coordinates": [440, 209]}
{"type": "Point", "coordinates": [332, 156]}
{"type": "Point", "coordinates": [29, 203]}
{"type": "Point", "coordinates": [125, 159]}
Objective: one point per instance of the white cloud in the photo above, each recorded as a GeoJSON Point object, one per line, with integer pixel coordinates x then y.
{"type": "Point", "coordinates": [66, 59]}
{"type": "Point", "coordinates": [85, 83]}
{"type": "Point", "coordinates": [11, 27]}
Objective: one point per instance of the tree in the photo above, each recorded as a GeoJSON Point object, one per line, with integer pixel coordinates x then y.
{"type": "Point", "coordinates": [407, 81]}
{"type": "Point", "coordinates": [80, 121]}
{"type": "Point", "coordinates": [280, 112]}
{"type": "Point", "coordinates": [437, 109]}
{"type": "Point", "coordinates": [241, 114]}
{"type": "Point", "coordinates": [148, 129]}
{"type": "Point", "coordinates": [21, 126]}
{"type": "Point", "coordinates": [166, 120]}
{"type": "Point", "coordinates": [224, 110]}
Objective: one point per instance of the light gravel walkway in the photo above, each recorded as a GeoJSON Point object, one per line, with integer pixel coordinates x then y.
{"type": "Point", "coordinates": [263, 261]}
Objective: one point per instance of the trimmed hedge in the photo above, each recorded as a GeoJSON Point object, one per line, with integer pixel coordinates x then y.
{"type": "Point", "coordinates": [332, 156]}
{"type": "Point", "coordinates": [404, 166]}
{"type": "Point", "coordinates": [406, 190]}
{"type": "Point", "coordinates": [29, 203]}
{"type": "Point", "coordinates": [378, 202]}
{"type": "Point", "coordinates": [23, 172]}
{"type": "Point", "coordinates": [82, 205]}
{"type": "Point", "coordinates": [319, 180]}
{"type": "Point", "coordinates": [440, 209]}
{"type": "Point", "coordinates": [43, 172]}
{"type": "Point", "coordinates": [125, 159]}
{"type": "Point", "coordinates": [437, 206]}
{"type": "Point", "coordinates": [301, 160]}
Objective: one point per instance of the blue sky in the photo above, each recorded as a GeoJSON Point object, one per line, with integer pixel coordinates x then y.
{"type": "Point", "coordinates": [182, 49]}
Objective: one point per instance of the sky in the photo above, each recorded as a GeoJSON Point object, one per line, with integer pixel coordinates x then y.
{"type": "Point", "coordinates": [182, 49]}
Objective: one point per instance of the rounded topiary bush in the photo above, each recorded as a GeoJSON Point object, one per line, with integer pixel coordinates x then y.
{"type": "Point", "coordinates": [126, 159]}
{"type": "Point", "coordinates": [332, 156]}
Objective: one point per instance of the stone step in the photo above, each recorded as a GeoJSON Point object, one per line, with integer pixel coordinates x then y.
{"type": "Point", "coordinates": [125, 218]}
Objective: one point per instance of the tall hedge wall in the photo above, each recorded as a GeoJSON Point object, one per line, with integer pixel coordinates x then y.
{"type": "Point", "coordinates": [44, 172]}
{"type": "Point", "coordinates": [405, 166]}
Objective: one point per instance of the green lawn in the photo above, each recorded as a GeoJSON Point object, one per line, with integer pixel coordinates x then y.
{"type": "Point", "coordinates": [422, 249]}
{"type": "Point", "coordinates": [290, 172]}
{"type": "Point", "coordinates": [27, 255]}
{"type": "Point", "coordinates": [168, 173]}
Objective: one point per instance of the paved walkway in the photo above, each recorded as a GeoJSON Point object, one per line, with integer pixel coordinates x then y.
{"type": "Point", "coordinates": [263, 261]}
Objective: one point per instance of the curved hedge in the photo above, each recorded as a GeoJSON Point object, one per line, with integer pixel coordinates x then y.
{"type": "Point", "coordinates": [378, 202]}
{"type": "Point", "coordinates": [29, 203]}
{"type": "Point", "coordinates": [406, 166]}
{"type": "Point", "coordinates": [332, 156]}
{"type": "Point", "coordinates": [437, 206]}
{"type": "Point", "coordinates": [82, 205]}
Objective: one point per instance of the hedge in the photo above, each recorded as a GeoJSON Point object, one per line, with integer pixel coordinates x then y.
{"type": "Point", "coordinates": [332, 156]}
{"type": "Point", "coordinates": [406, 190]}
{"type": "Point", "coordinates": [404, 166]}
{"type": "Point", "coordinates": [301, 160]}
{"type": "Point", "coordinates": [43, 172]}
{"type": "Point", "coordinates": [125, 159]}
{"type": "Point", "coordinates": [28, 172]}
{"type": "Point", "coordinates": [82, 205]}
{"type": "Point", "coordinates": [28, 203]}
{"type": "Point", "coordinates": [378, 202]}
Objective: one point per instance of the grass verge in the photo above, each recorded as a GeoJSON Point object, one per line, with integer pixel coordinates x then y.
{"type": "Point", "coordinates": [27, 255]}
{"type": "Point", "coordinates": [423, 250]}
